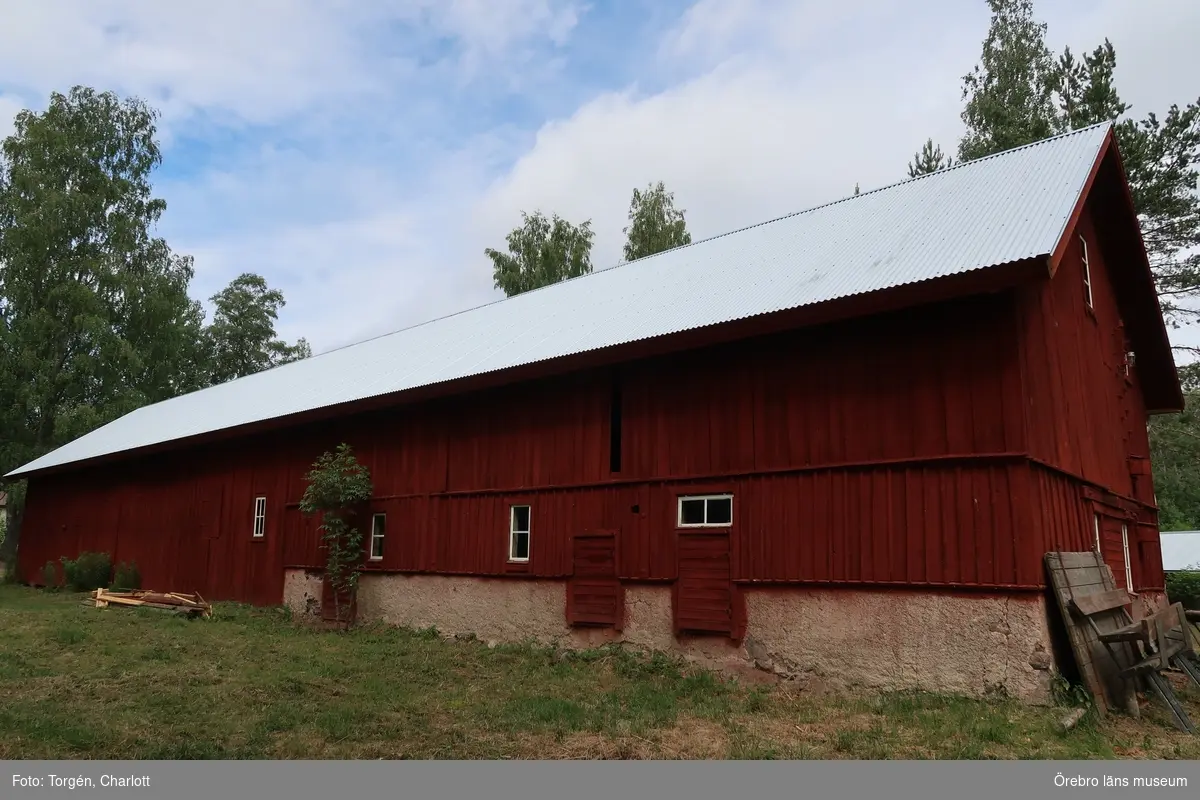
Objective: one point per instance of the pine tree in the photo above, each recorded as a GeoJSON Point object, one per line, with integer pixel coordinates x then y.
{"type": "Point", "coordinates": [1085, 89]}
{"type": "Point", "coordinates": [928, 159]}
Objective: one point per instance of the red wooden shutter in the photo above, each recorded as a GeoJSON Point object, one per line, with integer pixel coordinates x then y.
{"type": "Point", "coordinates": [594, 595]}
{"type": "Point", "coordinates": [704, 591]}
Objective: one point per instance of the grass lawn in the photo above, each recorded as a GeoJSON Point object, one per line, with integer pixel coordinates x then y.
{"type": "Point", "coordinates": [80, 682]}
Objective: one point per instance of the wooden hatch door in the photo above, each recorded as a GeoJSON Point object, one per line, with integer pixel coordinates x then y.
{"type": "Point", "coordinates": [594, 596]}
{"type": "Point", "coordinates": [704, 591]}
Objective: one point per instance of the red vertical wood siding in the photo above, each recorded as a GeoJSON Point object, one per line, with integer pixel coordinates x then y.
{"type": "Point", "coordinates": [1086, 416]}
{"type": "Point", "coordinates": [887, 450]}
{"type": "Point", "coordinates": [834, 441]}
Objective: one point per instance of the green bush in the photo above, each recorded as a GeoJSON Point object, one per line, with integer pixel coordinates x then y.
{"type": "Point", "coordinates": [1184, 587]}
{"type": "Point", "coordinates": [50, 575]}
{"type": "Point", "coordinates": [126, 577]}
{"type": "Point", "coordinates": [89, 571]}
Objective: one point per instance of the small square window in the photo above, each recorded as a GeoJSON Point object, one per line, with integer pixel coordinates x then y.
{"type": "Point", "coordinates": [260, 517]}
{"type": "Point", "coordinates": [518, 542]}
{"type": "Point", "coordinates": [707, 511]}
{"type": "Point", "coordinates": [378, 529]}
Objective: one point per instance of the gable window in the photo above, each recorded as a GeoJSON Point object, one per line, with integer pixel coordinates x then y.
{"type": "Point", "coordinates": [1087, 272]}
{"type": "Point", "coordinates": [1128, 566]}
{"type": "Point", "coordinates": [706, 511]}
{"type": "Point", "coordinates": [518, 533]}
{"type": "Point", "coordinates": [260, 517]}
{"type": "Point", "coordinates": [378, 528]}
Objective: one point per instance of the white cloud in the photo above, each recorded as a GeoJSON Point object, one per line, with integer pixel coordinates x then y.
{"type": "Point", "coordinates": [255, 61]}
{"type": "Point", "coordinates": [492, 28]}
{"type": "Point", "coordinates": [339, 278]}
{"type": "Point", "coordinates": [1158, 62]}
{"type": "Point", "coordinates": [774, 130]}
{"type": "Point", "coordinates": [9, 106]}
{"type": "Point", "coordinates": [370, 222]}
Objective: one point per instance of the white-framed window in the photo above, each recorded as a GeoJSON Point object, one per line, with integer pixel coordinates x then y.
{"type": "Point", "coordinates": [378, 529]}
{"type": "Point", "coordinates": [1087, 272]}
{"type": "Point", "coordinates": [706, 511]}
{"type": "Point", "coordinates": [518, 533]}
{"type": "Point", "coordinates": [260, 517]}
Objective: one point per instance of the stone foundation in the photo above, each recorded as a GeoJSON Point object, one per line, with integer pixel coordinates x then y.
{"type": "Point", "coordinates": [975, 645]}
{"type": "Point", "coordinates": [302, 591]}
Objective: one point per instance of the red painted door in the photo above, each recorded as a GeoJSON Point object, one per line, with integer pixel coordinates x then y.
{"type": "Point", "coordinates": [703, 590]}
{"type": "Point", "coordinates": [594, 593]}
{"type": "Point", "coordinates": [1112, 541]}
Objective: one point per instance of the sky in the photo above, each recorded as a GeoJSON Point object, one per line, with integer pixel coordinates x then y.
{"type": "Point", "coordinates": [362, 154]}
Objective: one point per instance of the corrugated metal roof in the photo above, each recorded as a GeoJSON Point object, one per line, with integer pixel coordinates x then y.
{"type": "Point", "coordinates": [984, 213]}
{"type": "Point", "coordinates": [1180, 550]}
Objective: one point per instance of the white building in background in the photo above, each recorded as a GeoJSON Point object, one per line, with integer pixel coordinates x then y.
{"type": "Point", "coordinates": [1180, 550]}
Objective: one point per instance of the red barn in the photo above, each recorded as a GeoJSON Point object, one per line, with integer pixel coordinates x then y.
{"type": "Point", "coordinates": [836, 444]}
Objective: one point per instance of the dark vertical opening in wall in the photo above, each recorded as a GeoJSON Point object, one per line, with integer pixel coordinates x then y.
{"type": "Point", "coordinates": [614, 427]}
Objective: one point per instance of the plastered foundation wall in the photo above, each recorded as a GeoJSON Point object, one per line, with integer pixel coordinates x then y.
{"type": "Point", "coordinates": [835, 639]}
{"type": "Point", "coordinates": [963, 644]}
{"type": "Point", "coordinates": [302, 591]}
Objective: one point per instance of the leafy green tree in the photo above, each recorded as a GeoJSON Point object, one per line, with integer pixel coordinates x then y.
{"type": "Point", "coordinates": [928, 159]}
{"type": "Point", "coordinates": [93, 307]}
{"type": "Point", "coordinates": [338, 486]}
{"type": "Point", "coordinates": [1175, 449]}
{"type": "Point", "coordinates": [1010, 94]}
{"type": "Point", "coordinates": [95, 316]}
{"type": "Point", "coordinates": [241, 339]}
{"type": "Point", "coordinates": [541, 252]}
{"type": "Point", "coordinates": [654, 223]}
